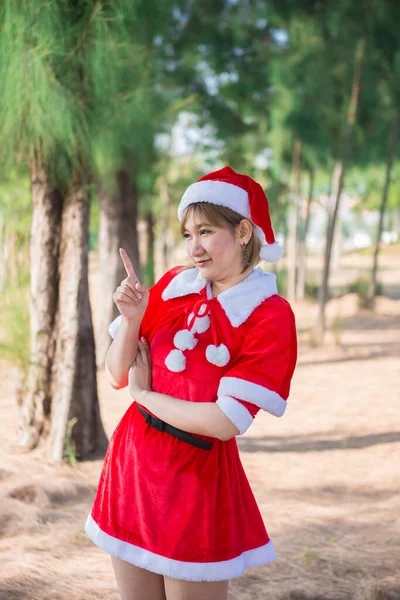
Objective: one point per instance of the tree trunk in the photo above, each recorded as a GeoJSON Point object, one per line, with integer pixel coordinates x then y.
{"type": "Point", "coordinates": [337, 245]}
{"type": "Point", "coordinates": [149, 267]}
{"type": "Point", "coordinates": [74, 388]}
{"type": "Point", "coordinates": [44, 248]}
{"type": "Point", "coordinates": [293, 221]}
{"type": "Point", "coordinates": [301, 274]}
{"type": "Point", "coordinates": [118, 229]}
{"type": "Point", "coordinates": [333, 208]}
{"type": "Point", "coordinates": [392, 146]}
{"type": "Point", "coordinates": [337, 184]}
{"type": "Point", "coordinates": [163, 230]}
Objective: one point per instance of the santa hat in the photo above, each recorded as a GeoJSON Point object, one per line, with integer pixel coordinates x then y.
{"type": "Point", "coordinates": [243, 195]}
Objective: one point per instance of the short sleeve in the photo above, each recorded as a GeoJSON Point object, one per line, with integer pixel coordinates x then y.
{"type": "Point", "coordinates": [261, 376]}
{"type": "Point", "coordinates": [153, 310]}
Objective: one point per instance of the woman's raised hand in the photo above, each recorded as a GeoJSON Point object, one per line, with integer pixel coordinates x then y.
{"type": "Point", "coordinates": [131, 296]}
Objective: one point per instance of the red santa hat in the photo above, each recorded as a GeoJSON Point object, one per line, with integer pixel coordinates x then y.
{"type": "Point", "coordinates": [243, 195]}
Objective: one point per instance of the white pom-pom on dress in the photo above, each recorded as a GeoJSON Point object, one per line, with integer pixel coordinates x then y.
{"type": "Point", "coordinates": [185, 340]}
{"type": "Point", "coordinates": [217, 355]}
{"type": "Point", "coordinates": [176, 361]}
{"type": "Point", "coordinates": [200, 325]}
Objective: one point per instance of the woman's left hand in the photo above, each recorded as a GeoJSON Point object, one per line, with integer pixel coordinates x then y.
{"type": "Point", "coordinates": [140, 371]}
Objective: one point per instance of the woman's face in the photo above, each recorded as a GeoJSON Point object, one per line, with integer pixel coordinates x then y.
{"type": "Point", "coordinates": [215, 250]}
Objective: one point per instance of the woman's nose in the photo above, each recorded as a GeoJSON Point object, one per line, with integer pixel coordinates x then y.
{"type": "Point", "coordinates": [196, 248]}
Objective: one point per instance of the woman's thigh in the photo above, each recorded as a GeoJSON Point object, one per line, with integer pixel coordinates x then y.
{"type": "Point", "coordinates": [176, 589]}
{"type": "Point", "coordinates": [135, 583]}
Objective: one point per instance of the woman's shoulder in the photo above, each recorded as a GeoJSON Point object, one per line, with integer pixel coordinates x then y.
{"type": "Point", "coordinates": [166, 279]}
{"type": "Point", "coordinates": [272, 315]}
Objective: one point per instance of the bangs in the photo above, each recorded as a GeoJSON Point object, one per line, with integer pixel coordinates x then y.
{"type": "Point", "coordinates": [219, 216]}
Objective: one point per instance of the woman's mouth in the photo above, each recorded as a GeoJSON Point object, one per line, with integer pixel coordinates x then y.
{"type": "Point", "coordinates": [200, 263]}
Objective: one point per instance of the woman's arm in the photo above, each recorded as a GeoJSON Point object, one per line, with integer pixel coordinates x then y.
{"type": "Point", "coordinates": [203, 418]}
{"type": "Point", "coordinates": [131, 298]}
{"type": "Point", "coordinates": [122, 352]}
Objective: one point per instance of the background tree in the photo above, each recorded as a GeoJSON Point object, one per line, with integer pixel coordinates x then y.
{"type": "Point", "coordinates": [45, 75]}
{"type": "Point", "coordinates": [387, 59]}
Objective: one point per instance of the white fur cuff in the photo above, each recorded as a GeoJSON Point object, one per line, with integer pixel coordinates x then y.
{"type": "Point", "coordinates": [236, 412]}
{"type": "Point", "coordinates": [254, 393]}
{"type": "Point", "coordinates": [114, 326]}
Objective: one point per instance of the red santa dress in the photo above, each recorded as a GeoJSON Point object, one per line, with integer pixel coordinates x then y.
{"type": "Point", "coordinates": [171, 507]}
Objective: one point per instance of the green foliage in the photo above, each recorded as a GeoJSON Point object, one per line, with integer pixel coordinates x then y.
{"type": "Point", "coordinates": [311, 290]}
{"type": "Point", "coordinates": [70, 447]}
{"type": "Point", "coordinates": [148, 273]}
{"type": "Point", "coordinates": [15, 330]}
{"type": "Point", "coordinates": [94, 224]}
{"type": "Point", "coordinates": [282, 280]}
{"type": "Point", "coordinates": [15, 206]}
{"type": "Point", "coordinates": [36, 85]}
{"type": "Point", "coordinates": [15, 215]}
{"type": "Point", "coordinates": [360, 287]}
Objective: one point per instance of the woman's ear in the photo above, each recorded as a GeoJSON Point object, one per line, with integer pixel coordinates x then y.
{"type": "Point", "coordinates": [245, 231]}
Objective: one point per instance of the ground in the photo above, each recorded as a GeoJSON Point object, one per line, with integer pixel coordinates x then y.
{"type": "Point", "coordinates": [326, 477]}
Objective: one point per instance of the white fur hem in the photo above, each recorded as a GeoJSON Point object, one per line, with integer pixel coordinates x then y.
{"type": "Point", "coordinates": [254, 393]}
{"type": "Point", "coordinates": [187, 571]}
{"type": "Point", "coordinates": [236, 412]}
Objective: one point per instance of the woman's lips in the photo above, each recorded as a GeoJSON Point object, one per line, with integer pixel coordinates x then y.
{"type": "Point", "coordinates": [200, 263]}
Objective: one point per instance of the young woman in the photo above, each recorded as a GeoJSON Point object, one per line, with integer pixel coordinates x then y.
{"type": "Point", "coordinates": [202, 353]}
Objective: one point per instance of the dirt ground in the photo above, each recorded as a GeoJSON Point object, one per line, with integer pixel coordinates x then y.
{"type": "Point", "coordinates": [326, 477]}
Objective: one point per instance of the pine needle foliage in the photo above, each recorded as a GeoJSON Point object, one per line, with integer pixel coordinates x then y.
{"type": "Point", "coordinates": [39, 111]}
{"type": "Point", "coordinates": [77, 81]}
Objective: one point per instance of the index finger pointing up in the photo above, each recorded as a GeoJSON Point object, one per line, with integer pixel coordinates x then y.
{"type": "Point", "coordinates": [127, 263]}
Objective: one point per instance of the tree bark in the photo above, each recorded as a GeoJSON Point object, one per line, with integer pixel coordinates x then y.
{"type": "Point", "coordinates": [164, 234]}
{"type": "Point", "coordinates": [392, 147]}
{"type": "Point", "coordinates": [337, 184]}
{"type": "Point", "coordinates": [47, 204]}
{"type": "Point", "coordinates": [118, 229]}
{"type": "Point", "coordinates": [293, 221]}
{"type": "Point", "coordinates": [150, 256]}
{"type": "Point", "coordinates": [301, 274]}
{"type": "Point", "coordinates": [74, 388]}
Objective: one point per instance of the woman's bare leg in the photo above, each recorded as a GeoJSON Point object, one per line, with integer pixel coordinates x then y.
{"type": "Point", "coordinates": [175, 589]}
{"type": "Point", "coordinates": [135, 583]}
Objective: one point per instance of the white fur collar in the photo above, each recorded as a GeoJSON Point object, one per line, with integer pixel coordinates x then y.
{"type": "Point", "coordinates": [238, 301]}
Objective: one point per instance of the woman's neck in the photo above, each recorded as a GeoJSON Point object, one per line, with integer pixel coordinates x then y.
{"type": "Point", "coordinates": [221, 285]}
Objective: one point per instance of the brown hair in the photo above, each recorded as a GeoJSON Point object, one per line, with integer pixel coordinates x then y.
{"type": "Point", "coordinates": [221, 216]}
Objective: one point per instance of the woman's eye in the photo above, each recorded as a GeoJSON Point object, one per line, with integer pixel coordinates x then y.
{"type": "Point", "coordinates": [204, 231]}
{"type": "Point", "coordinates": [186, 236]}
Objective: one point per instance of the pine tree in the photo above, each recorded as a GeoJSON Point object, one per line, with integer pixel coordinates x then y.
{"type": "Point", "coordinates": [46, 119]}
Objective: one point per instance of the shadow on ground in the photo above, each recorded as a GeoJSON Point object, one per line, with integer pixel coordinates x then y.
{"type": "Point", "coordinates": [304, 444]}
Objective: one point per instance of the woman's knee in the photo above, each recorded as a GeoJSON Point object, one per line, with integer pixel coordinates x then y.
{"type": "Point", "coordinates": [176, 589]}
{"type": "Point", "coordinates": [135, 583]}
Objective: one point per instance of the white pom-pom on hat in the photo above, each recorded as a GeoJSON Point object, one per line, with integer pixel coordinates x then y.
{"type": "Point", "coordinates": [271, 252]}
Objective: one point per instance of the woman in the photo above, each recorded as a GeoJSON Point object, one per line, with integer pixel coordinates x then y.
{"type": "Point", "coordinates": [202, 353]}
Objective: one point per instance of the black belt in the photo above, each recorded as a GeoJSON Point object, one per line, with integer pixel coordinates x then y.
{"type": "Point", "coordinates": [178, 433]}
